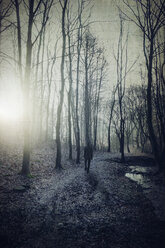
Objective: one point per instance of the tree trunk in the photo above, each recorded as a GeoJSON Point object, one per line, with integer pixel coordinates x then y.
{"type": "Point", "coordinates": [95, 133]}
{"type": "Point", "coordinates": [86, 112]}
{"type": "Point", "coordinates": [69, 97]}
{"type": "Point", "coordinates": [109, 137]}
{"type": "Point", "coordinates": [154, 143]}
{"type": "Point", "coordinates": [128, 149]}
{"type": "Point", "coordinates": [77, 101]}
{"type": "Point", "coordinates": [122, 142]}
{"type": "Point", "coordinates": [47, 113]}
{"type": "Point", "coordinates": [42, 91]}
{"type": "Point", "coordinates": [26, 88]}
{"type": "Point", "coordinates": [69, 125]}
{"type": "Point", "coordinates": [19, 39]}
{"type": "Point", "coordinates": [59, 110]}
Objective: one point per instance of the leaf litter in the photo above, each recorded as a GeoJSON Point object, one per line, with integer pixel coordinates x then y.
{"type": "Point", "coordinates": [72, 208]}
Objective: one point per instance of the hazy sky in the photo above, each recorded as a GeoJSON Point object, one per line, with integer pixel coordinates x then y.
{"type": "Point", "coordinates": [106, 28]}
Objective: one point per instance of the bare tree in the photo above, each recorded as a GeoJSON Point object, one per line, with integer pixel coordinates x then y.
{"type": "Point", "coordinates": [129, 120]}
{"type": "Point", "coordinates": [149, 16]}
{"type": "Point", "coordinates": [19, 37]}
{"type": "Point", "coordinates": [78, 48]}
{"type": "Point", "coordinates": [6, 8]}
{"type": "Point", "coordinates": [112, 105]}
{"type": "Point", "coordinates": [136, 116]}
{"type": "Point", "coordinates": [26, 88]}
{"type": "Point", "coordinates": [100, 74]}
{"type": "Point", "coordinates": [158, 90]}
{"type": "Point", "coordinates": [82, 24]}
{"type": "Point", "coordinates": [38, 81]}
{"type": "Point", "coordinates": [121, 61]}
{"type": "Point", "coordinates": [59, 109]}
{"type": "Point", "coordinates": [70, 29]}
{"type": "Point", "coordinates": [89, 52]}
{"type": "Point", "coordinates": [32, 10]}
{"type": "Point", "coordinates": [50, 69]}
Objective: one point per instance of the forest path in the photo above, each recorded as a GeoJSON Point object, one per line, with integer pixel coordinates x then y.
{"type": "Point", "coordinates": [99, 209]}
{"type": "Point", "coordinates": [74, 209]}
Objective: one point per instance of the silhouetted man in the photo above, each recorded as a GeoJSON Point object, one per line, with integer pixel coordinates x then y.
{"type": "Point", "coordinates": [88, 156]}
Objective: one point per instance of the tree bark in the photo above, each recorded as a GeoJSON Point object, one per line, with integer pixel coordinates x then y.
{"type": "Point", "coordinates": [26, 88]}
{"type": "Point", "coordinates": [154, 143]}
{"type": "Point", "coordinates": [69, 97]}
{"type": "Point", "coordinates": [59, 109]}
{"type": "Point", "coordinates": [86, 112]}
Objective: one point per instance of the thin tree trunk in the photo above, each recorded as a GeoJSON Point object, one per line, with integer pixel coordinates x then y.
{"type": "Point", "coordinates": [154, 143]}
{"type": "Point", "coordinates": [42, 91]}
{"type": "Point", "coordinates": [19, 39]}
{"type": "Point", "coordinates": [69, 98]}
{"type": "Point", "coordinates": [26, 88]}
{"type": "Point", "coordinates": [109, 137]}
{"type": "Point", "coordinates": [47, 113]}
{"type": "Point", "coordinates": [77, 102]}
{"type": "Point", "coordinates": [97, 106]}
{"type": "Point", "coordinates": [59, 110]}
{"type": "Point", "coordinates": [70, 127]}
{"type": "Point", "coordinates": [87, 140]}
{"type": "Point", "coordinates": [110, 121]}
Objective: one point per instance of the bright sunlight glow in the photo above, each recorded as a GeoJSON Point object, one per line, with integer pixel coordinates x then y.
{"type": "Point", "coordinates": [10, 108]}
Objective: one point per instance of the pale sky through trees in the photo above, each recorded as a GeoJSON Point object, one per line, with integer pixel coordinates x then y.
{"type": "Point", "coordinates": [104, 26]}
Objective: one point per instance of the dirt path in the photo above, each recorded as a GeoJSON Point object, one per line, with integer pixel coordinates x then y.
{"type": "Point", "coordinates": [75, 209]}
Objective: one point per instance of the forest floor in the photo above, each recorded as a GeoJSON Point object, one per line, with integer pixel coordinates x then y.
{"type": "Point", "coordinates": [71, 208]}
